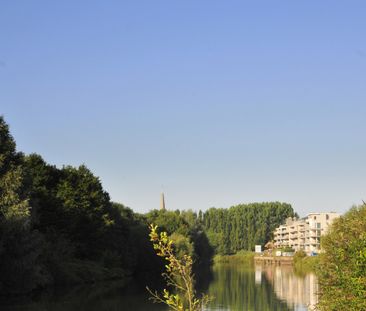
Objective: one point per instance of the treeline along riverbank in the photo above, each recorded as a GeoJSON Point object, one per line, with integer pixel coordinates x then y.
{"type": "Point", "coordinates": [59, 226]}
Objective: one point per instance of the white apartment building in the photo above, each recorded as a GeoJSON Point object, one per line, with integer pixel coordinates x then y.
{"type": "Point", "coordinates": [304, 233]}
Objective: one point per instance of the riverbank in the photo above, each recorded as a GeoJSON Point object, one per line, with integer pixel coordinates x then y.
{"type": "Point", "coordinates": [300, 262]}
{"type": "Point", "coordinates": [306, 264]}
{"type": "Point", "coordinates": [243, 257]}
{"type": "Point", "coordinates": [274, 260]}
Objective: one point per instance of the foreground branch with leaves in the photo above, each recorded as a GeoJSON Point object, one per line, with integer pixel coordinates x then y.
{"type": "Point", "coordinates": [178, 275]}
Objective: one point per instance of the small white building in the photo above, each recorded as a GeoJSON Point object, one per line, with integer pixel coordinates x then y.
{"type": "Point", "coordinates": [304, 233]}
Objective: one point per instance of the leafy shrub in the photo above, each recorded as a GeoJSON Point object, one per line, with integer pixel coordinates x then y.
{"type": "Point", "coordinates": [343, 264]}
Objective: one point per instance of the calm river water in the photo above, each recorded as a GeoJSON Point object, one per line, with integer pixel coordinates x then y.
{"type": "Point", "coordinates": [234, 287]}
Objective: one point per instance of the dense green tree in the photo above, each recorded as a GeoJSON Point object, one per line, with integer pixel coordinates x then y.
{"type": "Point", "coordinates": [57, 225]}
{"type": "Point", "coordinates": [86, 208]}
{"type": "Point", "coordinates": [169, 221]}
{"type": "Point", "coordinates": [8, 155]}
{"type": "Point", "coordinates": [187, 230]}
{"type": "Point", "coordinates": [41, 180]}
{"type": "Point", "coordinates": [20, 246]}
{"type": "Point", "coordinates": [342, 268]}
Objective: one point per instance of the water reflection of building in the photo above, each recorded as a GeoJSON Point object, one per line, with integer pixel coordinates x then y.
{"type": "Point", "coordinates": [296, 290]}
{"type": "Point", "coordinates": [258, 274]}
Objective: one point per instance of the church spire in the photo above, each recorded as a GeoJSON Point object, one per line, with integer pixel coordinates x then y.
{"type": "Point", "coordinates": [162, 201]}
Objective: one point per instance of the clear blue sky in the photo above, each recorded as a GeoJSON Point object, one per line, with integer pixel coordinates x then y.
{"type": "Point", "coordinates": [214, 102]}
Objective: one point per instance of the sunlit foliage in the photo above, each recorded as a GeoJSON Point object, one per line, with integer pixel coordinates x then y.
{"type": "Point", "coordinates": [178, 275]}
{"type": "Point", "coordinates": [342, 270]}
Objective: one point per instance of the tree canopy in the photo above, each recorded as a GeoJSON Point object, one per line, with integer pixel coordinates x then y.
{"type": "Point", "coordinates": [342, 268]}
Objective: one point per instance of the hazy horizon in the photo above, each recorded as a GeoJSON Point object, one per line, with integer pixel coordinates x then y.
{"type": "Point", "coordinates": [212, 103]}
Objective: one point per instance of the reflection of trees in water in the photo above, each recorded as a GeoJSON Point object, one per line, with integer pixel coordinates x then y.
{"type": "Point", "coordinates": [294, 289]}
{"type": "Point", "coordinates": [234, 288]}
{"type": "Point", "coordinates": [204, 276]}
{"type": "Point", "coordinates": [108, 296]}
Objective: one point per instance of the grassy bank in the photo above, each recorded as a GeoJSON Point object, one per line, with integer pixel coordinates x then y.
{"type": "Point", "coordinates": [242, 257]}
{"type": "Point", "coordinates": [305, 264]}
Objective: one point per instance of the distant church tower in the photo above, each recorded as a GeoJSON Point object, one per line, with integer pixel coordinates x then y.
{"type": "Point", "coordinates": [162, 201]}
